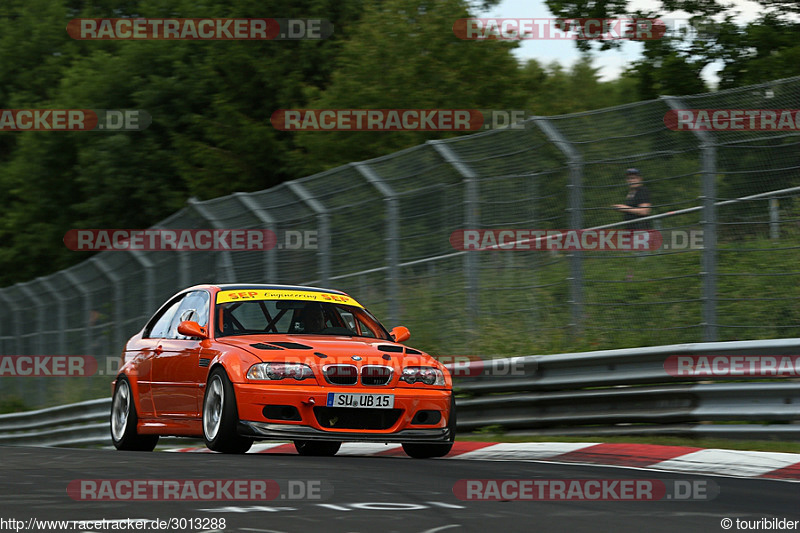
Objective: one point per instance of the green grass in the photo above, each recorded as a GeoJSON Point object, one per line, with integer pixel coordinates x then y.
{"type": "Point", "coordinates": [630, 301]}
{"type": "Point", "coordinates": [12, 404]}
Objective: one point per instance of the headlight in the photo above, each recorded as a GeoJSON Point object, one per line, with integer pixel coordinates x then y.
{"type": "Point", "coordinates": [425, 374]}
{"type": "Point", "coordinates": [278, 371]}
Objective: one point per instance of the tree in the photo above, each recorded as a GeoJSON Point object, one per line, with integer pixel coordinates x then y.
{"type": "Point", "coordinates": [761, 50]}
{"type": "Point", "coordinates": [403, 54]}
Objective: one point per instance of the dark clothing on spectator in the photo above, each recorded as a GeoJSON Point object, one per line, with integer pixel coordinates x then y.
{"type": "Point", "coordinates": [636, 197]}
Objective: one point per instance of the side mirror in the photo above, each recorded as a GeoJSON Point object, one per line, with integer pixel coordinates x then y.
{"type": "Point", "coordinates": [400, 334]}
{"type": "Point", "coordinates": [190, 328]}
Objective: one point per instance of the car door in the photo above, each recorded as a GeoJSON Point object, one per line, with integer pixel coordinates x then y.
{"type": "Point", "coordinates": [177, 372]}
{"type": "Point", "coordinates": [147, 348]}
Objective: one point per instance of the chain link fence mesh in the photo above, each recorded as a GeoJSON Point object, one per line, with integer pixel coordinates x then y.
{"type": "Point", "coordinates": [383, 232]}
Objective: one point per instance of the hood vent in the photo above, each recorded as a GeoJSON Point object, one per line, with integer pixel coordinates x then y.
{"type": "Point", "coordinates": [389, 348]}
{"type": "Point", "coordinates": [262, 346]}
{"type": "Point", "coordinates": [292, 345]}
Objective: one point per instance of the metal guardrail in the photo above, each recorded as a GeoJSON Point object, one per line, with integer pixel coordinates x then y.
{"type": "Point", "coordinates": [69, 425]}
{"type": "Point", "coordinates": [614, 392]}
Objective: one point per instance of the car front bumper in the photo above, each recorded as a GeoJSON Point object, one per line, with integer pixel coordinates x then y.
{"type": "Point", "coordinates": [268, 430]}
{"type": "Point", "coordinates": [251, 400]}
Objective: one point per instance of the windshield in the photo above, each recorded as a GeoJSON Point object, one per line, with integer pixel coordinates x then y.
{"type": "Point", "coordinates": [258, 317]}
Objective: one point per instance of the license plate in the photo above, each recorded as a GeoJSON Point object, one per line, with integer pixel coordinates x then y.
{"type": "Point", "coordinates": [369, 401]}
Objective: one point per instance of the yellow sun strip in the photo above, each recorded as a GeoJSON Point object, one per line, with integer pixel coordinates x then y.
{"type": "Point", "coordinates": [306, 296]}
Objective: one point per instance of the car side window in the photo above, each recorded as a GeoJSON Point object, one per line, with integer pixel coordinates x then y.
{"type": "Point", "coordinates": [159, 325]}
{"type": "Point", "coordinates": [193, 307]}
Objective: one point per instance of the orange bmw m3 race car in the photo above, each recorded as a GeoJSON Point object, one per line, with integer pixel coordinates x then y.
{"type": "Point", "coordinates": [238, 363]}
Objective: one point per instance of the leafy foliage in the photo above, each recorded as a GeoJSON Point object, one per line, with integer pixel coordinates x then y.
{"type": "Point", "coordinates": [211, 102]}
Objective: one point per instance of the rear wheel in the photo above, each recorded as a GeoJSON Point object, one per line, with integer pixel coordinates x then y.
{"type": "Point", "coordinates": [124, 421]}
{"type": "Point", "coordinates": [220, 416]}
{"type": "Point", "coordinates": [317, 448]}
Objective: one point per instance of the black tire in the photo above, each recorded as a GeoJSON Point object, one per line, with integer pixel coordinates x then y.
{"type": "Point", "coordinates": [428, 450]}
{"type": "Point", "coordinates": [220, 416]}
{"type": "Point", "coordinates": [124, 421]}
{"type": "Point", "coordinates": [318, 448]}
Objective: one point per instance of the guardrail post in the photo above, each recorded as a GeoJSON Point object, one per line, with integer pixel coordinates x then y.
{"type": "Point", "coordinates": [575, 210]}
{"type": "Point", "coordinates": [392, 238]}
{"type": "Point", "coordinates": [270, 264]}
{"type": "Point", "coordinates": [323, 227]}
{"type": "Point", "coordinates": [225, 255]}
{"type": "Point", "coordinates": [471, 221]}
{"type": "Point", "coordinates": [709, 222]}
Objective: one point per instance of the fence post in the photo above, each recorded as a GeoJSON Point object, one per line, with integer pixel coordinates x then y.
{"type": "Point", "coordinates": [37, 343]}
{"type": "Point", "coordinates": [575, 210]}
{"type": "Point", "coordinates": [323, 227]}
{"type": "Point", "coordinates": [392, 238]}
{"type": "Point", "coordinates": [774, 219]}
{"type": "Point", "coordinates": [119, 294]}
{"type": "Point", "coordinates": [149, 279]}
{"type": "Point", "coordinates": [87, 308]}
{"type": "Point", "coordinates": [184, 268]}
{"type": "Point", "coordinates": [225, 255]}
{"type": "Point", "coordinates": [270, 265]}
{"type": "Point", "coordinates": [62, 315]}
{"type": "Point", "coordinates": [709, 223]}
{"type": "Point", "coordinates": [471, 221]}
{"type": "Point", "coordinates": [11, 305]}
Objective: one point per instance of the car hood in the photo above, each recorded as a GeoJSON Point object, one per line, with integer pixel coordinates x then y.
{"type": "Point", "coordinates": [335, 349]}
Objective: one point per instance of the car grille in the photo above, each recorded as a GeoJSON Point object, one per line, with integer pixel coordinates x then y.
{"type": "Point", "coordinates": [375, 375]}
{"type": "Point", "coordinates": [353, 418]}
{"type": "Point", "coordinates": [341, 374]}
{"type": "Point", "coordinates": [371, 375]}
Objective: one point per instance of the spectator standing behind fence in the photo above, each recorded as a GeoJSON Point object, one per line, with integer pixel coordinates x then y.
{"type": "Point", "coordinates": [637, 203]}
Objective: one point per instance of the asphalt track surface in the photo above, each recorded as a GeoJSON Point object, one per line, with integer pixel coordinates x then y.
{"type": "Point", "coordinates": [366, 494]}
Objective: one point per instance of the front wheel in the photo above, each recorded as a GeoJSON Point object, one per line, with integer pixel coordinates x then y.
{"type": "Point", "coordinates": [425, 450]}
{"type": "Point", "coordinates": [220, 416]}
{"type": "Point", "coordinates": [124, 420]}
{"type": "Point", "coordinates": [317, 448]}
